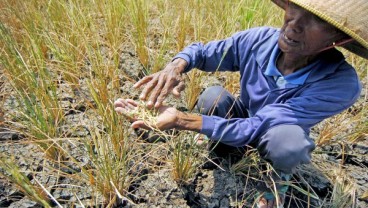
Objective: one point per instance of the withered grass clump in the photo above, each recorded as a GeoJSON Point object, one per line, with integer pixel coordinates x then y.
{"type": "Point", "coordinates": [186, 157]}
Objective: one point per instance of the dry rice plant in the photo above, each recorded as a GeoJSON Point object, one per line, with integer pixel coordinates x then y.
{"type": "Point", "coordinates": [348, 126]}
{"type": "Point", "coordinates": [114, 166]}
{"type": "Point", "coordinates": [258, 171]}
{"type": "Point", "coordinates": [40, 112]}
{"type": "Point", "coordinates": [344, 192]}
{"type": "Point", "coordinates": [67, 38]}
{"type": "Point", "coordinates": [186, 157]}
{"type": "Point", "coordinates": [182, 28]}
{"type": "Point", "coordinates": [139, 18]}
{"type": "Point", "coordinates": [34, 191]}
{"type": "Point", "coordinates": [231, 83]}
{"type": "Point", "coordinates": [158, 56]}
{"type": "Point", "coordinates": [193, 88]}
{"type": "Point", "coordinates": [331, 128]}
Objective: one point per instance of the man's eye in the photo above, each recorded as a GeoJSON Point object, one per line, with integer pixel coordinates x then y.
{"type": "Point", "coordinates": [318, 19]}
{"type": "Point", "coordinates": [293, 6]}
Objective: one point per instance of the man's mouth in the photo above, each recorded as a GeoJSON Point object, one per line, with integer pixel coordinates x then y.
{"type": "Point", "coordinates": [289, 39]}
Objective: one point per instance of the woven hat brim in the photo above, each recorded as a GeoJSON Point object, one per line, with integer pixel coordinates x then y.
{"type": "Point", "coordinates": [359, 46]}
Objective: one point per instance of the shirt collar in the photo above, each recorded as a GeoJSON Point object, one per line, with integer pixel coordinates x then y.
{"type": "Point", "coordinates": [297, 78]}
{"type": "Point", "coordinates": [271, 69]}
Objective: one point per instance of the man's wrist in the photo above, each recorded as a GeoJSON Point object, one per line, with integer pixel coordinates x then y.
{"type": "Point", "coordinates": [181, 64]}
{"type": "Point", "coordinates": [187, 121]}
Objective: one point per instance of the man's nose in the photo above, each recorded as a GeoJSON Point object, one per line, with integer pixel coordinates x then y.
{"type": "Point", "coordinates": [298, 23]}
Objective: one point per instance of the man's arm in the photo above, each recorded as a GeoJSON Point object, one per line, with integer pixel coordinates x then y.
{"type": "Point", "coordinates": [168, 117]}
{"type": "Point", "coordinates": [190, 122]}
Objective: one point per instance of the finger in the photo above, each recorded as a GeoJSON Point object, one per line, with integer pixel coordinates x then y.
{"type": "Point", "coordinates": [139, 124]}
{"type": "Point", "coordinates": [127, 104]}
{"type": "Point", "coordinates": [142, 81]}
{"type": "Point", "coordinates": [161, 98]}
{"type": "Point", "coordinates": [131, 101]}
{"type": "Point", "coordinates": [158, 92]}
{"type": "Point", "coordinates": [119, 103]}
{"type": "Point", "coordinates": [121, 110]}
{"type": "Point", "coordinates": [177, 90]}
{"type": "Point", "coordinates": [127, 113]}
{"type": "Point", "coordinates": [147, 89]}
{"type": "Point", "coordinates": [132, 104]}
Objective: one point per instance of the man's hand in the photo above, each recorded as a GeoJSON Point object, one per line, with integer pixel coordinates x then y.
{"type": "Point", "coordinates": [166, 118]}
{"type": "Point", "coordinates": [160, 84]}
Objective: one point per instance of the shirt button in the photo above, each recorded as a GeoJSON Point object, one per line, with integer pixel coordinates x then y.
{"type": "Point", "coordinates": [281, 81]}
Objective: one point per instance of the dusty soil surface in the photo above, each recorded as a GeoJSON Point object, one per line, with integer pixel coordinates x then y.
{"type": "Point", "coordinates": [213, 185]}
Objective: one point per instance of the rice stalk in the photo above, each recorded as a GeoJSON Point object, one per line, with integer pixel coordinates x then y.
{"type": "Point", "coordinates": [10, 170]}
{"type": "Point", "coordinates": [69, 30]}
{"type": "Point", "coordinates": [185, 157]}
{"type": "Point", "coordinates": [182, 29]}
{"type": "Point", "coordinates": [344, 191]}
{"type": "Point", "coordinates": [232, 83]}
{"type": "Point", "coordinates": [139, 17]}
{"type": "Point", "coordinates": [115, 28]}
{"type": "Point", "coordinates": [193, 88]}
{"type": "Point", "coordinates": [158, 56]}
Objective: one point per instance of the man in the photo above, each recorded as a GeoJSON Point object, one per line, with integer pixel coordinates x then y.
{"type": "Point", "coordinates": [291, 79]}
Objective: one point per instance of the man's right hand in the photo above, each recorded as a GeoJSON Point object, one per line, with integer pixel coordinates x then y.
{"type": "Point", "coordinates": [167, 117]}
{"type": "Point", "coordinates": [158, 85]}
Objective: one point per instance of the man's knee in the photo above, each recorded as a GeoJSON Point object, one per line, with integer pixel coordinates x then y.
{"type": "Point", "coordinates": [210, 99]}
{"type": "Point", "coordinates": [286, 146]}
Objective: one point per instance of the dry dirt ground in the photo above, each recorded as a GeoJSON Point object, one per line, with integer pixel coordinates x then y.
{"type": "Point", "coordinates": [214, 184]}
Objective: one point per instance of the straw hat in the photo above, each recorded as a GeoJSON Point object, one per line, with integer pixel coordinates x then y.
{"type": "Point", "coordinates": [350, 16]}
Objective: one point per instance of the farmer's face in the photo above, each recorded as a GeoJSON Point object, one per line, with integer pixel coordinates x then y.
{"type": "Point", "coordinates": [305, 34]}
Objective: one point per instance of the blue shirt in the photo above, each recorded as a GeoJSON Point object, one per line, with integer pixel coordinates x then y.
{"type": "Point", "coordinates": [323, 89]}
